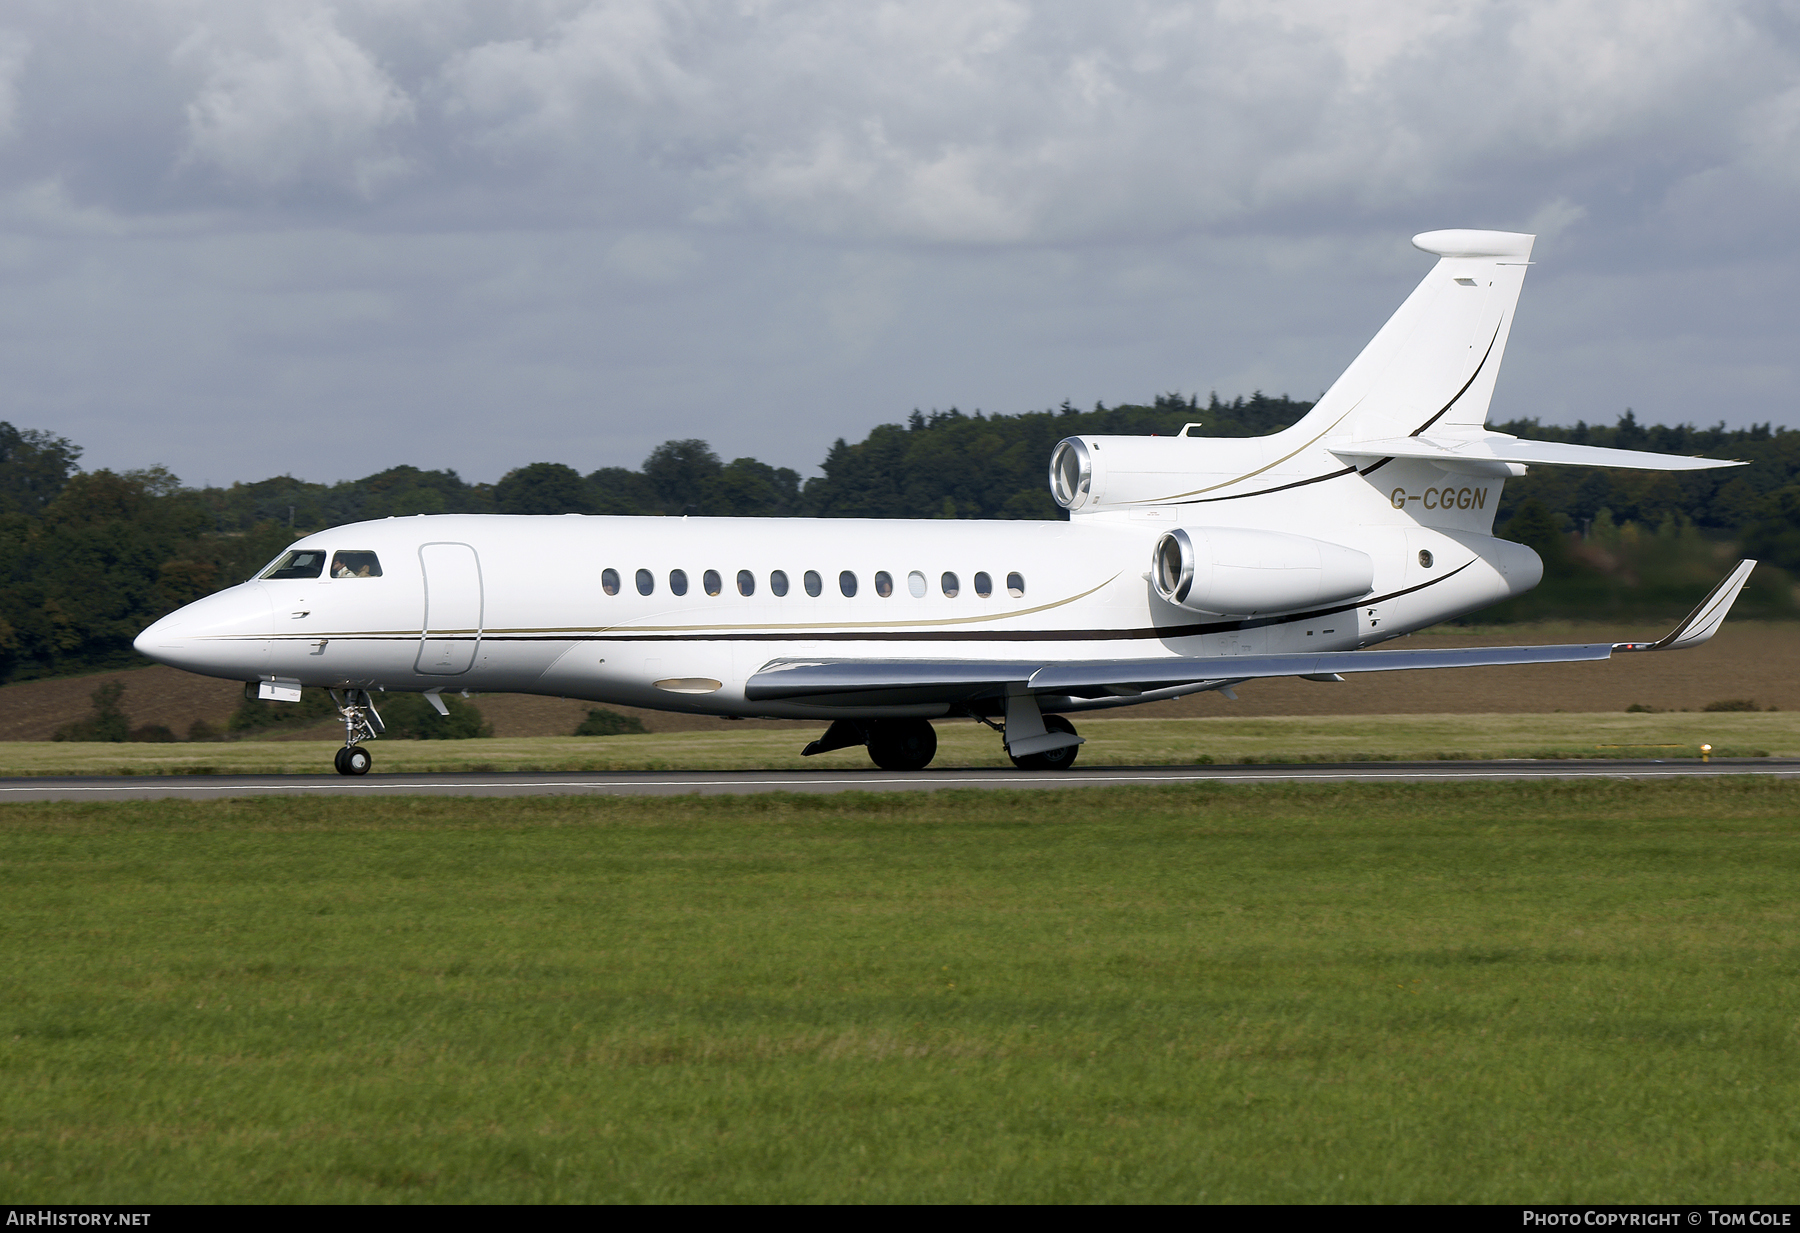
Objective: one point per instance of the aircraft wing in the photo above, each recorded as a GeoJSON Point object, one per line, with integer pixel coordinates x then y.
{"type": "Point", "coordinates": [1499, 448]}
{"type": "Point", "coordinates": [1102, 682]}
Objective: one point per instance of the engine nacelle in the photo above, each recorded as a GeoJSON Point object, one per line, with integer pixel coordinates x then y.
{"type": "Point", "coordinates": [1231, 571]}
{"type": "Point", "coordinates": [1094, 473]}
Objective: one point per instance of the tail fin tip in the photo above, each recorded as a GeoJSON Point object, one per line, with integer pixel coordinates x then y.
{"type": "Point", "coordinates": [1462, 242]}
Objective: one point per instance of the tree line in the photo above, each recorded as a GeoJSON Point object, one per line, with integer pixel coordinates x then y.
{"type": "Point", "coordinates": [89, 558]}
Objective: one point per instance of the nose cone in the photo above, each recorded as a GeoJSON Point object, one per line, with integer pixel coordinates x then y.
{"type": "Point", "coordinates": [160, 637]}
{"type": "Point", "coordinates": [222, 635]}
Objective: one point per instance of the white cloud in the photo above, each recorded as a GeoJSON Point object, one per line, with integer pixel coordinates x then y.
{"type": "Point", "coordinates": [653, 258]}
{"type": "Point", "coordinates": [606, 221]}
{"type": "Point", "coordinates": [1550, 220]}
{"type": "Point", "coordinates": [578, 72]}
{"type": "Point", "coordinates": [45, 207]}
{"type": "Point", "coordinates": [1589, 73]}
{"type": "Point", "coordinates": [966, 121]}
{"type": "Point", "coordinates": [1368, 38]}
{"type": "Point", "coordinates": [319, 108]}
{"type": "Point", "coordinates": [14, 48]}
{"type": "Point", "coordinates": [1771, 138]}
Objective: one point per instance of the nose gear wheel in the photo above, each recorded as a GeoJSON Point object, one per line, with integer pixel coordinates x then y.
{"type": "Point", "coordinates": [361, 723]}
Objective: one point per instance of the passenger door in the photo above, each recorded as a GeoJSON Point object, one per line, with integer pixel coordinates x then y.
{"type": "Point", "coordinates": [452, 626]}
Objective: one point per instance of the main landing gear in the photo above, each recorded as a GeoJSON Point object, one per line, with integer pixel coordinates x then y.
{"type": "Point", "coordinates": [894, 744]}
{"type": "Point", "coordinates": [361, 723]}
{"type": "Point", "coordinates": [1059, 759]}
{"type": "Point", "coordinates": [1034, 741]}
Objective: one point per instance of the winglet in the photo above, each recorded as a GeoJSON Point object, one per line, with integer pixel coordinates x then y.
{"type": "Point", "coordinates": [1704, 621]}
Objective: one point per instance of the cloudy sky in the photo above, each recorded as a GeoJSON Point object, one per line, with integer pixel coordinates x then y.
{"type": "Point", "coordinates": [247, 237]}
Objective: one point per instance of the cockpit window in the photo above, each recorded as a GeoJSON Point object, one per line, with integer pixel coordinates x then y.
{"type": "Point", "coordinates": [355, 565]}
{"type": "Point", "coordinates": [298, 563]}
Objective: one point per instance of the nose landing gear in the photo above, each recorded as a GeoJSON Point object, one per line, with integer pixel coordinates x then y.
{"type": "Point", "coordinates": [361, 723]}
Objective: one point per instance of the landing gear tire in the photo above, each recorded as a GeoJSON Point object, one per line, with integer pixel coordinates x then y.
{"type": "Point", "coordinates": [902, 744]}
{"type": "Point", "coordinates": [353, 760]}
{"type": "Point", "coordinates": [1055, 759]}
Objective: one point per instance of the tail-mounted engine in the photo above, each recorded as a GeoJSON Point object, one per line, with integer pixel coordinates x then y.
{"type": "Point", "coordinates": [1093, 473]}
{"type": "Point", "coordinates": [1232, 571]}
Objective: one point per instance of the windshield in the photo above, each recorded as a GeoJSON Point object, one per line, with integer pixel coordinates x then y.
{"type": "Point", "coordinates": [297, 563]}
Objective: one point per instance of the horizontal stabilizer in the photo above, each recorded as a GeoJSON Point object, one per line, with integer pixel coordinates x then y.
{"type": "Point", "coordinates": [1498, 448]}
{"type": "Point", "coordinates": [853, 683]}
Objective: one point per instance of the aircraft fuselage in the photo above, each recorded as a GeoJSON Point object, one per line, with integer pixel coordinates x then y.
{"type": "Point", "coordinates": [522, 604]}
{"type": "Point", "coordinates": [1186, 563]}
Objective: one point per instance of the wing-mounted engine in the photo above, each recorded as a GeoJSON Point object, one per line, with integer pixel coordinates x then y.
{"type": "Point", "coordinates": [1234, 571]}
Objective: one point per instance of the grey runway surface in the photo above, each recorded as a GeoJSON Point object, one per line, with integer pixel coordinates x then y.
{"type": "Point", "coordinates": [726, 783]}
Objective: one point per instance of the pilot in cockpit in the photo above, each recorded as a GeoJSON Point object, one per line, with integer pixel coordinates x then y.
{"type": "Point", "coordinates": [355, 565]}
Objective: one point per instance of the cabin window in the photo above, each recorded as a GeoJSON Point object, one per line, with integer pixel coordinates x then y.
{"type": "Point", "coordinates": [984, 585]}
{"type": "Point", "coordinates": [814, 583]}
{"type": "Point", "coordinates": [884, 583]}
{"type": "Point", "coordinates": [746, 582]}
{"type": "Point", "coordinates": [847, 583]}
{"type": "Point", "coordinates": [645, 582]}
{"type": "Point", "coordinates": [1015, 585]}
{"type": "Point", "coordinates": [952, 585]}
{"type": "Point", "coordinates": [609, 581]}
{"type": "Point", "coordinates": [355, 565]}
{"type": "Point", "coordinates": [778, 583]}
{"type": "Point", "coordinates": [711, 582]}
{"type": "Point", "coordinates": [300, 563]}
{"type": "Point", "coordinates": [915, 585]}
{"type": "Point", "coordinates": [678, 581]}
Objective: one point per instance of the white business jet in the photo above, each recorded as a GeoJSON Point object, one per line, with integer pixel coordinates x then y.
{"type": "Point", "coordinates": [1187, 563]}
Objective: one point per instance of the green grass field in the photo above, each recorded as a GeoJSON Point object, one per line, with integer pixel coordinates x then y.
{"type": "Point", "coordinates": [1542, 992]}
{"type": "Point", "coordinates": [1110, 742]}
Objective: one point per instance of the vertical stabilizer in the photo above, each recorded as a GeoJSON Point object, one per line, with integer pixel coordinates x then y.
{"type": "Point", "coordinates": [1433, 365]}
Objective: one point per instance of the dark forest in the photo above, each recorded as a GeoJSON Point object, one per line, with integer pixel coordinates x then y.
{"type": "Point", "coordinates": [91, 557]}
